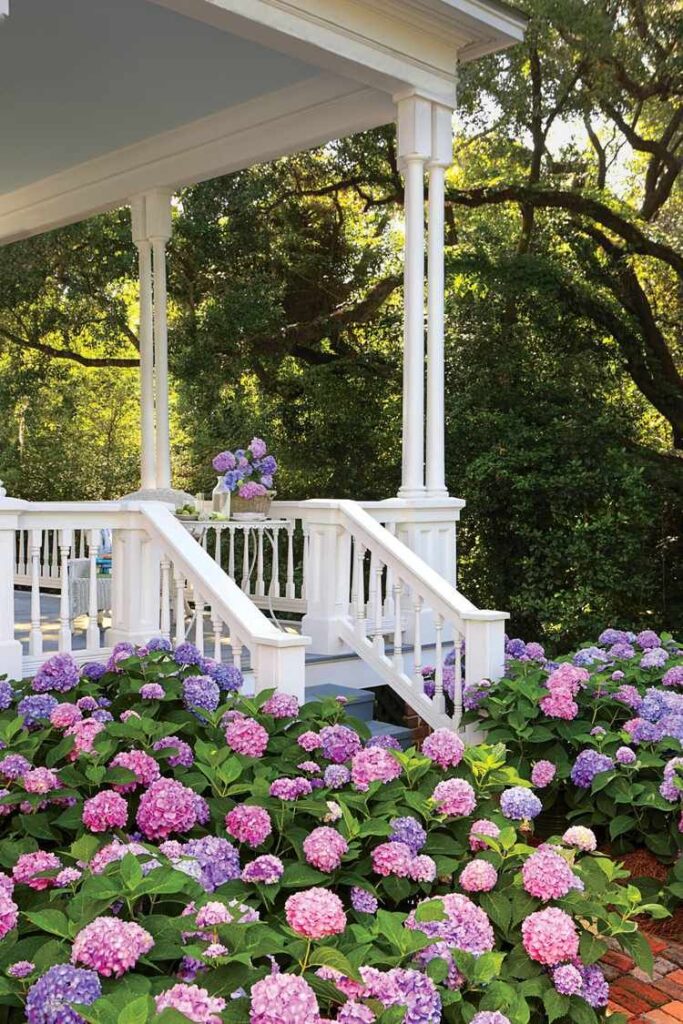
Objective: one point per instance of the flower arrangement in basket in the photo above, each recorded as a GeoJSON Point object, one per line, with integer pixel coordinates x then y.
{"type": "Point", "coordinates": [247, 476]}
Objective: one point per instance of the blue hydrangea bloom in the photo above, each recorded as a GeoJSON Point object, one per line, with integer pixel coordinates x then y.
{"type": "Point", "coordinates": [48, 999]}
{"type": "Point", "coordinates": [201, 692]}
{"type": "Point", "coordinates": [159, 643]}
{"type": "Point", "coordinates": [36, 708]}
{"type": "Point", "coordinates": [228, 677]}
{"type": "Point", "coordinates": [218, 859]}
{"type": "Point", "coordinates": [187, 654]}
{"type": "Point", "coordinates": [520, 804]}
{"type": "Point", "coordinates": [6, 694]}
{"type": "Point", "coordinates": [408, 830]}
{"type": "Point", "coordinates": [588, 764]}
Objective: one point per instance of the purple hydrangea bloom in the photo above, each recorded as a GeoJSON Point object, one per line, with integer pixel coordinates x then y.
{"type": "Point", "coordinates": [363, 901]}
{"type": "Point", "coordinates": [673, 677]}
{"type": "Point", "coordinates": [653, 705]}
{"type": "Point", "coordinates": [408, 830]}
{"type": "Point", "coordinates": [21, 969]}
{"type": "Point", "coordinates": [182, 756]}
{"type": "Point", "coordinates": [218, 859]}
{"type": "Point", "coordinates": [159, 643]}
{"type": "Point", "coordinates": [535, 651]}
{"type": "Point", "coordinates": [102, 716]}
{"type": "Point", "coordinates": [608, 637]}
{"type": "Point", "coordinates": [648, 639]}
{"type": "Point", "coordinates": [200, 692]}
{"type": "Point", "coordinates": [269, 466]}
{"type": "Point", "coordinates": [628, 695]}
{"type": "Point", "coordinates": [87, 704]}
{"type": "Point", "coordinates": [595, 988]}
{"type": "Point", "coordinates": [60, 673]}
{"type": "Point", "coordinates": [588, 656]}
{"type": "Point", "coordinates": [642, 731]}
{"type": "Point", "coordinates": [515, 648]}
{"type": "Point", "coordinates": [671, 725]}
{"type": "Point", "coordinates": [474, 694]}
{"type": "Point", "coordinates": [6, 694]}
{"type": "Point", "coordinates": [588, 764]}
{"type": "Point", "coordinates": [93, 670]}
{"type": "Point", "coordinates": [339, 743]}
{"type": "Point", "coordinates": [669, 790]}
{"type": "Point", "coordinates": [336, 776]}
{"type": "Point", "coordinates": [598, 730]}
{"type": "Point", "coordinates": [520, 804]}
{"type": "Point", "coordinates": [625, 755]}
{"type": "Point", "coordinates": [152, 691]}
{"type": "Point", "coordinates": [228, 677]}
{"type": "Point", "coordinates": [13, 766]}
{"type": "Point", "coordinates": [385, 742]}
{"type": "Point", "coordinates": [655, 657]}
{"type": "Point", "coordinates": [36, 708]}
{"type": "Point", "coordinates": [622, 651]}
{"type": "Point", "coordinates": [187, 654]}
{"type": "Point", "coordinates": [48, 999]}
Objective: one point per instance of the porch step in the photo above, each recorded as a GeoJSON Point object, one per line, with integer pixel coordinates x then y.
{"type": "Point", "coordinates": [361, 704]}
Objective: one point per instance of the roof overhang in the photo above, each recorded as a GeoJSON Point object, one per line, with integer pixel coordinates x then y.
{"type": "Point", "coordinates": [145, 94]}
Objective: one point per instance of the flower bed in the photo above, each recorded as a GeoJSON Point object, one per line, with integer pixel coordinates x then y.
{"type": "Point", "coordinates": [171, 848]}
{"type": "Point", "coordinates": [600, 733]}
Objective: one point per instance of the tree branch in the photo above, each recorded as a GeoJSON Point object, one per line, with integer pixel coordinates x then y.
{"type": "Point", "coordinates": [65, 353]}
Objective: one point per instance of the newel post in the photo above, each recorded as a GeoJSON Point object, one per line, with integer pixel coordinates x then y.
{"type": "Point", "coordinates": [11, 655]}
{"type": "Point", "coordinates": [485, 647]}
{"type": "Point", "coordinates": [328, 580]}
{"type": "Point", "coordinates": [136, 587]}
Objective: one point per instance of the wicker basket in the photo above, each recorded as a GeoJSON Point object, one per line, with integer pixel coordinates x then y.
{"type": "Point", "coordinates": [252, 509]}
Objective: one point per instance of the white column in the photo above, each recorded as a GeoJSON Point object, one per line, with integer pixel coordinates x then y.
{"type": "Point", "coordinates": [11, 655]}
{"type": "Point", "coordinates": [328, 581]}
{"type": "Point", "coordinates": [147, 440]}
{"type": "Point", "coordinates": [136, 587]}
{"type": "Point", "coordinates": [414, 149]}
{"type": "Point", "coordinates": [158, 215]}
{"type": "Point", "coordinates": [441, 158]}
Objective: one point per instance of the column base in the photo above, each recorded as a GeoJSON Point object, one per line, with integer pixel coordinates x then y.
{"type": "Point", "coordinates": [412, 492]}
{"type": "Point", "coordinates": [324, 635]}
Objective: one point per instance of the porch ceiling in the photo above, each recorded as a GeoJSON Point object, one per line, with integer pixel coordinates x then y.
{"type": "Point", "coordinates": [102, 100]}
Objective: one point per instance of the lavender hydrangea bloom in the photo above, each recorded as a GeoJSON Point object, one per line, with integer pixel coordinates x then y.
{"type": "Point", "coordinates": [648, 639]}
{"type": "Point", "coordinates": [218, 859]}
{"type": "Point", "coordinates": [187, 654]}
{"type": "Point", "coordinates": [655, 657]}
{"type": "Point", "coordinates": [622, 651]}
{"type": "Point", "coordinates": [595, 988]}
{"type": "Point", "coordinates": [608, 637]}
{"type": "Point", "coordinates": [60, 673]}
{"type": "Point", "coordinates": [535, 651]}
{"type": "Point", "coordinates": [625, 755]}
{"type": "Point", "coordinates": [669, 790]}
{"type": "Point", "coordinates": [671, 725]}
{"type": "Point", "coordinates": [36, 708]}
{"type": "Point", "coordinates": [159, 643]}
{"type": "Point", "coordinates": [48, 999]}
{"type": "Point", "coordinates": [385, 742]}
{"type": "Point", "coordinates": [642, 731]}
{"type": "Point", "coordinates": [228, 677]}
{"type": "Point", "coordinates": [588, 656]}
{"type": "Point", "coordinates": [408, 830]}
{"type": "Point", "coordinates": [336, 776]}
{"type": "Point", "coordinates": [339, 743]}
{"type": "Point", "coordinates": [181, 755]}
{"type": "Point", "coordinates": [520, 804]}
{"type": "Point", "coordinates": [6, 694]}
{"type": "Point", "coordinates": [102, 716]}
{"type": "Point", "coordinates": [653, 705]}
{"type": "Point", "coordinates": [474, 694]}
{"type": "Point", "coordinates": [588, 764]}
{"type": "Point", "coordinates": [14, 765]}
{"type": "Point", "coordinates": [93, 670]}
{"type": "Point", "coordinates": [628, 695]}
{"type": "Point", "coordinates": [363, 901]}
{"type": "Point", "coordinates": [673, 677]}
{"type": "Point", "coordinates": [200, 692]}
{"type": "Point", "coordinates": [515, 648]}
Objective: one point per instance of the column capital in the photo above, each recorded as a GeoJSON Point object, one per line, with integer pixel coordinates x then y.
{"type": "Point", "coordinates": [414, 129]}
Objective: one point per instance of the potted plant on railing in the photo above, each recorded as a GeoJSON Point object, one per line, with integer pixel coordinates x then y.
{"type": "Point", "coordinates": [245, 486]}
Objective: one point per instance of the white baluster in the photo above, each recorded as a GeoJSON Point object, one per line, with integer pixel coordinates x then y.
{"type": "Point", "coordinates": [21, 567]}
{"type": "Point", "coordinates": [307, 543]}
{"type": "Point", "coordinates": [360, 589]}
{"type": "Point", "coordinates": [199, 621]}
{"type": "Point", "coordinates": [217, 635]}
{"type": "Point", "coordinates": [246, 532]}
{"type": "Point", "coordinates": [457, 685]}
{"type": "Point", "coordinates": [217, 549]}
{"type": "Point", "coordinates": [36, 641]}
{"type": "Point", "coordinates": [378, 637]}
{"type": "Point", "coordinates": [165, 611]}
{"type": "Point", "coordinates": [372, 591]}
{"type": "Point", "coordinates": [236, 645]}
{"type": "Point", "coordinates": [179, 581]}
{"type": "Point", "coordinates": [439, 699]}
{"type": "Point", "coordinates": [417, 643]}
{"type": "Point", "coordinates": [231, 553]}
{"type": "Point", "coordinates": [52, 553]}
{"type": "Point", "coordinates": [92, 637]}
{"type": "Point", "coordinates": [65, 539]}
{"type": "Point", "coordinates": [398, 627]}
{"type": "Point", "coordinates": [260, 582]}
{"type": "Point", "coordinates": [274, 589]}
{"type": "Point", "coordinates": [389, 582]}
{"type": "Point", "coordinates": [289, 586]}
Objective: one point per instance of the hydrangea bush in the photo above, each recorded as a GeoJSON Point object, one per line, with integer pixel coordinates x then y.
{"type": "Point", "coordinates": [176, 852]}
{"type": "Point", "coordinates": [247, 471]}
{"type": "Point", "coordinates": [601, 731]}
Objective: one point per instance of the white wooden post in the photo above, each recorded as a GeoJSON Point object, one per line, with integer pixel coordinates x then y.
{"type": "Point", "coordinates": [328, 581]}
{"type": "Point", "coordinates": [10, 649]}
{"type": "Point", "coordinates": [280, 668]}
{"type": "Point", "coordinates": [414, 149]}
{"type": "Point", "coordinates": [441, 158]}
{"type": "Point", "coordinates": [136, 587]}
{"type": "Point", "coordinates": [485, 647]}
{"type": "Point", "coordinates": [144, 247]}
{"type": "Point", "coordinates": [158, 217]}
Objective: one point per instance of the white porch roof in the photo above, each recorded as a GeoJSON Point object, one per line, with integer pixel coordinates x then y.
{"type": "Point", "coordinates": [102, 100]}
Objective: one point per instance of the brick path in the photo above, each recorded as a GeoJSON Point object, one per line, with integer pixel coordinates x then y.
{"type": "Point", "coordinates": [645, 1000]}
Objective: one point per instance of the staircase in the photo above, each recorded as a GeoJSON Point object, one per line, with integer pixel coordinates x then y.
{"type": "Point", "coordinates": [361, 704]}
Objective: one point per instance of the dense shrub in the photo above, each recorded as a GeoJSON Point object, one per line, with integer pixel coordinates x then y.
{"type": "Point", "coordinates": [173, 848]}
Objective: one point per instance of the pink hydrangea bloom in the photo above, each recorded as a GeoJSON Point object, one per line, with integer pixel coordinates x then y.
{"type": "Point", "coordinates": [281, 705]}
{"type": "Point", "coordinates": [283, 999]}
{"type": "Point", "coordinates": [9, 914]}
{"type": "Point", "coordinates": [465, 925]}
{"type": "Point", "coordinates": [249, 824]}
{"type": "Point", "coordinates": [213, 913]}
{"type": "Point", "coordinates": [543, 773]}
{"type": "Point", "coordinates": [315, 913]}
{"type": "Point", "coordinates": [30, 865]}
{"type": "Point", "coordinates": [581, 837]}
{"type": "Point", "coordinates": [444, 747]}
{"type": "Point", "coordinates": [560, 705]}
{"type": "Point", "coordinates": [309, 741]}
{"type": "Point", "coordinates": [482, 827]}
{"type": "Point", "coordinates": [84, 733]}
{"type": "Point", "coordinates": [392, 859]}
{"type": "Point", "coordinates": [478, 876]}
{"type": "Point", "coordinates": [193, 1002]}
{"type": "Point", "coordinates": [547, 875]}
{"type": "Point", "coordinates": [550, 937]}
{"type": "Point", "coordinates": [167, 806]}
{"type": "Point", "coordinates": [246, 736]}
{"type": "Point", "coordinates": [310, 767]}
{"type": "Point", "coordinates": [143, 766]}
{"type": "Point", "coordinates": [422, 868]}
{"type": "Point", "coordinates": [65, 715]}
{"type": "Point", "coordinates": [104, 811]}
{"type": "Point", "coordinates": [324, 848]}
{"type": "Point", "coordinates": [112, 852]}
{"type": "Point", "coordinates": [290, 789]}
{"type": "Point", "coordinates": [40, 780]}
{"type": "Point", "coordinates": [373, 764]}
{"type": "Point", "coordinates": [567, 677]}
{"type": "Point", "coordinates": [67, 877]}
{"type": "Point", "coordinates": [111, 946]}
{"type": "Point", "coordinates": [454, 797]}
